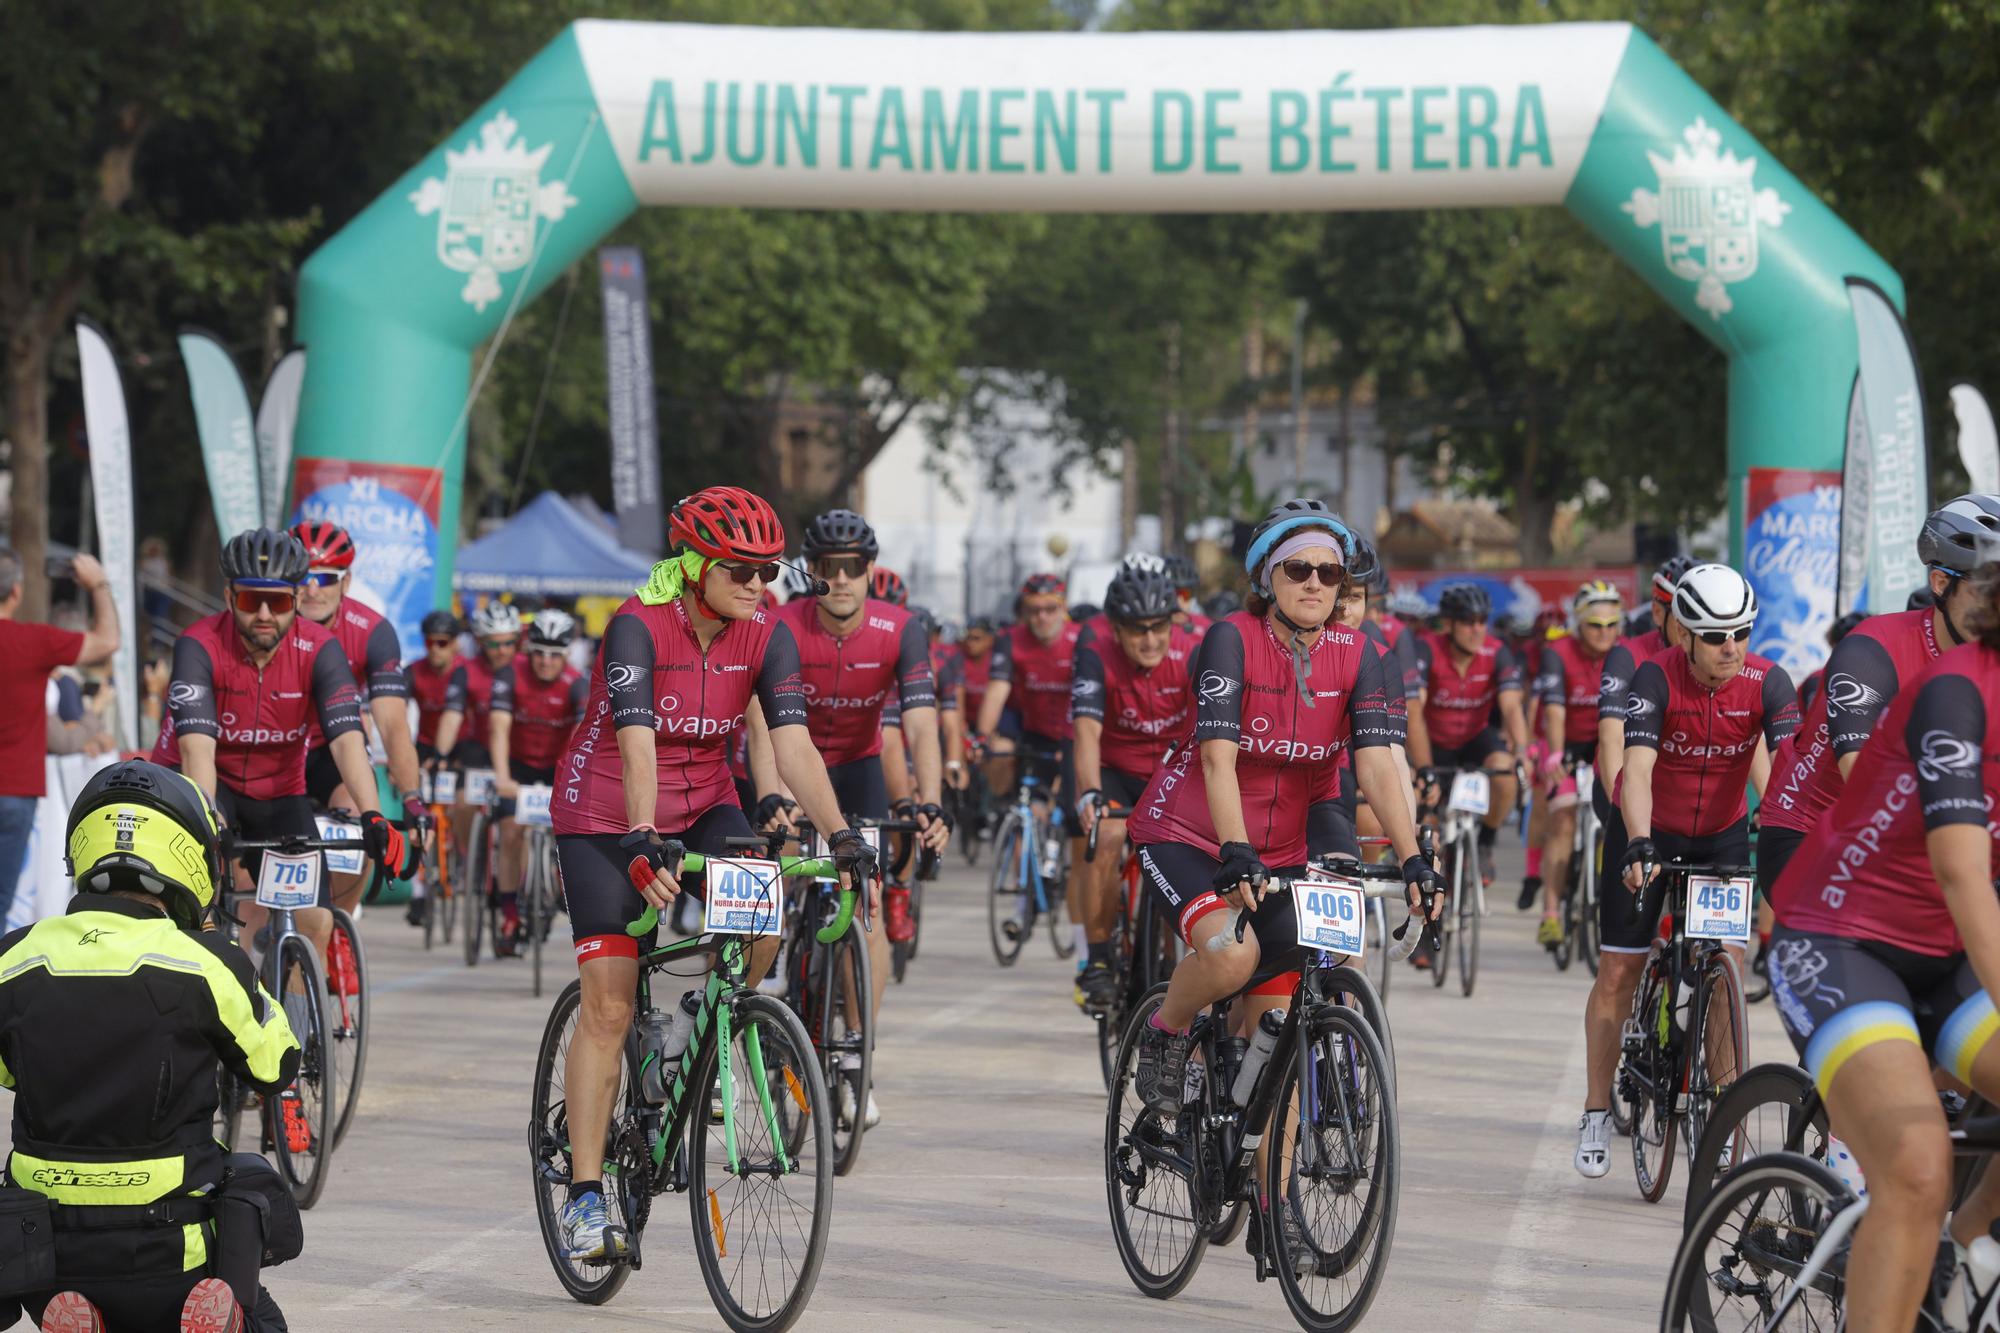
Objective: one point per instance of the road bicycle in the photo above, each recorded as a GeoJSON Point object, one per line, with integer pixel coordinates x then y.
{"type": "Point", "coordinates": [541, 876]}
{"type": "Point", "coordinates": [478, 880]}
{"type": "Point", "coordinates": [1685, 1041]}
{"type": "Point", "coordinates": [897, 865]}
{"type": "Point", "coordinates": [1030, 872]}
{"type": "Point", "coordinates": [1579, 893]}
{"type": "Point", "coordinates": [442, 864]}
{"type": "Point", "coordinates": [1466, 795]}
{"type": "Point", "coordinates": [743, 1127]}
{"type": "Point", "coordinates": [1322, 1107]}
{"type": "Point", "coordinates": [971, 811]}
{"type": "Point", "coordinates": [1144, 946]}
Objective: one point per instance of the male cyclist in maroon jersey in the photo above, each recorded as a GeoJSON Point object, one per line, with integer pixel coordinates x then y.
{"type": "Point", "coordinates": [464, 732]}
{"type": "Point", "coordinates": [1621, 664]}
{"type": "Point", "coordinates": [527, 726]}
{"type": "Point", "coordinates": [1694, 719]}
{"type": "Point", "coordinates": [430, 680]}
{"type": "Point", "coordinates": [645, 778]}
{"type": "Point", "coordinates": [1130, 703]}
{"type": "Point", "coordinates": [1467, 671]}
{"type": "Point", "coordinates": [1887, 952]}
{"type": "Point", "coordinates": [248, 684]}
{"type": "Point", "coordinates": [1569, 685]}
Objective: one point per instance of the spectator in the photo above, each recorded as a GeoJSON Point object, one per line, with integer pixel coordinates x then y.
{"type": "Point", "coordinates": [27, 654]}
{"type": "Point", "coordinates": [153, 702]}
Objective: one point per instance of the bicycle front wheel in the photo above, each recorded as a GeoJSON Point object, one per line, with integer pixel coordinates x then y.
{"type": "Point", "coordinates": [1647, 1084]}
{"type": "Point", "coordinates": [300, 1120]}
{"type": "Point", "coordinates": [1718, 1045]}
{"type": "Point", "coordinates": [1466, 903]}
{"type": "Point", "coordinates": [1746, 1255]}
{"type": "Point", "coordinates": [1353, 989]}
{"type": "Point", "coordinates": [1333, 1173]}
{"type": "Point", "coordinates": [847, 1049]}
{"type": "Point", "coordinates": [1149, 1177]}
{"type": "Point", "coordinates": [1010, 910]}
{"type": "Point", "coordinates": [347, 1016]}
{"type": "Point", "coordinates": [1773, 1108]}
{"type": "Point", "coordinates": [1564, 952]}
{"type": "Point", "coordinates": [761, 1208]}
{"type": "Point", "coordinates": [1589, 885]}
{"type": "Point", "coordinates": [472, 893]}
{"type": "Point", "coordinates": [1378, 912]}
{"type": "Point", "coordinates": [551, 1166]}
{"type": "Point", "coordinates": [1062, 930]}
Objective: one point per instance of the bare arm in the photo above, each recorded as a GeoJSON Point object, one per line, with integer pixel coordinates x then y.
{"type": "Point", "coordinates": [1225, 797]}
{"type": "Point", "coordinates": [499, 736]}
{"type": "Point", "coordinates": [1636, 797]}
{"type": "Point", "coordinates": [1383, 783]}
{"type": "Point", "coordinates": [350, 756]}
{"type": "Point", "coordinates": [1610, 746]}
{"type": "Point", "coordinates": [1420, 734]}
{"type": "Point", "coordinates": [392, 723]}
{"type": "Point", "coordinates": [1514, 722]}
{"type": "Point", "coordinates": [1961, 856]}
{"type": "Point", "coordinates": [1089, 755]}
{"type": "Point", "coordinates": [804, 772]}
{"type": "Point", "coordinates": [450, 721]}
{"type": "Point", "coordinates": [990, 706]}
{"type": "Point", "coordinates": [101, 640]}
{"type": "Point", "coordinates": [1760, 768]}
{"type": "Point", "coordinates": [638, 756]}
{"type": "Point", "coordinates": [198, 761]}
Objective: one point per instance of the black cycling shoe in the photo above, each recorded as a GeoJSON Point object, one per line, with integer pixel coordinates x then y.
{"type": "Point", "coordinates": [1531, 892]}
{"type": "Point", "coordinates": [1162, 1069]}
{"type": "Point", "coordinates": [1095, 987]}
{"type": "Point", "coordinates": [418, 911]}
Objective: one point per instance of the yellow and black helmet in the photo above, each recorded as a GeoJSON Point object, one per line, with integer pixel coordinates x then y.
{"type": "Point", "coordinates": [156, 826]}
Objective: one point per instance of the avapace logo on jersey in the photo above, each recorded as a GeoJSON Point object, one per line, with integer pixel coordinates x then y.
{"type": "Point", "coordinates": [1681, 745]}
{"type": "Point", "coordinates": [1867, 840]}
{"type": "Point", "coordinates": [698, 727]}
{"type": "Point", "coordinates": [263, 735]}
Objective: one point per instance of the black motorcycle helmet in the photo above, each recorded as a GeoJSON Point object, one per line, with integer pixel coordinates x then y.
{"type": "Point", "coordinates": [140, 826]}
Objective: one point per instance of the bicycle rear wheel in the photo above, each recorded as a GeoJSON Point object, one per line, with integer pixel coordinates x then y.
{"type": "Point", "coordinates": [773, 1208]}
{"type": "Point", "coordinates": [1333, 1173]}
{"type": "Point", "coordinates": [550, 1164]}
{"type": "Point", "coordinates": [1010, 909]}
{"type": "Point", "coordinates": [304, 1150]}
{"type": "Point", "coordinates": [1148, 1177]}
{"type": "Point", "coordinates": [1466, 904]}
{"type": "Point", "coordinates": [348, 1021]}
{"type": "Point", "coordinates": [1770, 1109]}
{"type": "Point", "coordinates": [1590, 886]}
{"type": "Point", "coordinates": [1748, 1247]}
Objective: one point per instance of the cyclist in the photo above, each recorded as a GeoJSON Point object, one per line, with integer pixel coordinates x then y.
{"type": "Point", "coordinates": [684, 662]}
{"type": "Point", "coordinates": [1129, 705]}
{"type": "Point", "coordinates": [247, 684]}
{"type": "Point", "coordinates": [1187, 582]}
{"type": "Point", "coordinates": [1571, 677]}
{"type": "Point", "coordinates": [375, 656]}
{"type": "Point", "coordinates": [527, 725]}
{"type": "Point", "coordinates": [464, 731]}
{"type": "Point", "coordinates": [1809, 687]}
{"type": "Point", "coordinates": [1280, 696]}
{"type": "Point", "coordinates": [948, 670]}
{"type": "Point", "coordinates": [430, 680]}
{"type": "Point", "coordinates": [115, 1020]}
{"type": "Point", "coordinates": [1468, 671]}
{"type": "Point", "coordinates": [1337, 821]}
{"type": "Point", "coordinates": [1887, 951]}
{"type": "Point", "coordinates": [1622, 663]}
{"type": "Point", "coordinates": [1694, 719]}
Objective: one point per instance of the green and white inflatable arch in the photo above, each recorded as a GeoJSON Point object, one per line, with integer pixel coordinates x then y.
{"type": "Point", "coordinates": [1591, 116]}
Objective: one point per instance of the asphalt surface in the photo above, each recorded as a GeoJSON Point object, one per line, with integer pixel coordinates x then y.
{"type": "Point", "coordinates": [979, 1201]}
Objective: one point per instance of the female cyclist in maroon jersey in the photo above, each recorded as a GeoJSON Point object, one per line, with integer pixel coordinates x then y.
{"type": "Point", "coordinates": [684, 663]}
{"type": "Point", "coordinates": [1887, 953]}
{"type": "Point", "coordinates": [1694, 721]}
{"type": "Point", "coordinates": [1468, 672]}
{"type": "Point", "coordinates": [1281, 695]}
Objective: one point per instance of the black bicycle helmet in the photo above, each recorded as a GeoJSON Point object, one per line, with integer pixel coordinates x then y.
{"type": "Point", "coordinates": [840, 532]}
{"type": "Point", "coordinates": [1367, 568]}
{"type": "Point", "coordinates": [1223, 603]}
{"type": "Point", "coordinates": [923, 616]}
{"type": "Point", "coordinates": [1844, 626]}
{"type": "Point", "coordinates": [1082, 611]}
{"type": "Point", "coordinates": [1961, 536]}
{"type": "Point", "coordinates": [1464, 601]}
{"type": "Point", "coordinates": [1139, 594]}
{"type": "Point", "coordinates": [112, 836]}
{"type": "Point", "coordinates": [265, 553]}
{"type": "Point", "coordinates": [1669, 574]}
{"type": "Point", "coordinates": [436, 624]}
{"type": "Point", "coordinates": [1182, 571]}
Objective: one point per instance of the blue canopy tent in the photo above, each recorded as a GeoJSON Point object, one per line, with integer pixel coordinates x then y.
{"type": "Point", "coordinates": [550, 549]}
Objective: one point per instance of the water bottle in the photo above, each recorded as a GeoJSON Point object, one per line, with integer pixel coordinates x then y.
{"type": "Point", "coordinates": [1972, 1288]}
{"type": "Point", "coordinates": [1262, 1043]}
{"type": "Point", "coordinates": [663, 1039]}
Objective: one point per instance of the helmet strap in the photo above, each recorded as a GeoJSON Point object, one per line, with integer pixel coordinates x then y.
{"type": "Point", "coordinates": [1944, 612]}
{"type": "Point", "coordinates": [701, 602]}
{"type": "Point", "coordinates": [1301, 665]}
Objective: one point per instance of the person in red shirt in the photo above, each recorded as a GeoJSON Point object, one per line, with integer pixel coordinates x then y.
{"type": "Point", "coordinates": [430, 680]}
{"type": "Point", "coordinates": [464, 727]}
{"type": "Point", "coordinates": [1568, 686]}
{"type": "Point", "coordinates": [1468, 672]}
{"type": "Point", "coordinates": [27, 654]}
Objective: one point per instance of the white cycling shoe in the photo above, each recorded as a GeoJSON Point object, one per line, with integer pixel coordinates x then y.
{"type": "Point", "coordinates": [1593, 1144]}
{"type": "Point", "coordinates": [870, 1118]}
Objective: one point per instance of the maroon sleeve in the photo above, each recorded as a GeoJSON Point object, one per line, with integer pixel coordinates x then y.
{"type": "Point", "coordinates": [384, 658]}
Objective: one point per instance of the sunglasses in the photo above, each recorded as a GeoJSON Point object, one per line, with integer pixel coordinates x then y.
{"type": "Point", "coordinates": [248, 599]}
{"type": "Point", "coordinates": [498, 643]}
{"type": "Point", "coordinates": [1603, 624]}
{"type": "Point", "coordinates": [740, 575]}
{"type": "Point", "coordinates": [1160, 626]}
{"type": "Point", "coordinates": [1717, 637]}
{"type": "Point", "coordinates": [323, 578]}
{"type": "Point", "coordinates": [440, 643]}
{"type": "Point", "coordinates": [838, 566]}
{"type": "Point", "coordinates": [1298, 571]}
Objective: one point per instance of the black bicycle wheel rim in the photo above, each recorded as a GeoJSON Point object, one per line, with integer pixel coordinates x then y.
{"type": "Point", "coordinates": [1005, 901]}
{"type": "Point", "coordinates": [837, 1038]}
{"type": "Point", "coordinates": [1335, 1189]}
{"type": "Point", "coordinates": [473, 892]}
{"type": "Point", "coordinates": [1771, 1107]}
{"type": "Point", "coordinates": [317, 1085]}
{"type": "Point", "coordinates": [1650, 1095]}
{"type": "Point", "coordinates": [1468, 930]}
{"type": "Point", "coordinates": [1587, 914]}
{"type": "Point", "coordinates": [1789, 1200]}
{"type": "Point", "coordinates": [1718, 1000]}
{"type": "Point", "coordinates": [720, 1204]}
{"type": "Point", "coordinates": [1165, 1248]}
{"type": "Point", "coordinates": [348, 1016]}
{"type": "Point", "coordinates": [550, 1166]}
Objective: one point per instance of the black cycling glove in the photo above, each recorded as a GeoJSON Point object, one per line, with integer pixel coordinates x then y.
{"type": "Point", "coordinates": [651, 856]}
{"type": "Point", "coordinates": [770, 807]}
{"type": "Point", "coordinates": [851, 856]}
{"type": "Point", "coordinates": [1640, 850]}
{"type": "Point", "coordinates": [1239, 862]}
{"type": "Point", "coordinates": [934, 812]}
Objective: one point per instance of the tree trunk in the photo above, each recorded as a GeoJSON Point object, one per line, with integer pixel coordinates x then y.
{"type": "Point", "coordinates": [1128, 492]}
{"type": "Point", "coordinates": [28, 431]}
{"type": "Point", "coordinates": [1534, 510]}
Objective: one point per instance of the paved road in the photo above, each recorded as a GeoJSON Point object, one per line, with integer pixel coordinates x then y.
{"type": "Point", "coordinates": [979, 1203]}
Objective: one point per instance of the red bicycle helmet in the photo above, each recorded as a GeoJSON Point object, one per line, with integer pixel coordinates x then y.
{"type": "Point", "coordinates": [327, 545]}
{"type": "Point", "coordinates": [886, 585]}
{"type": "Point", "coordinates": [1038, 584]}
{"type": "Point", "coordinates": [727, 523]}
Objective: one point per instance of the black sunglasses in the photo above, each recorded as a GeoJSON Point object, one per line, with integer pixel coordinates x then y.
{"type": "Point", "coordinates": [1298, 571]}
{"type": "Point", "coordinates": [838, 566]}
{"type": "Point", "coordinates": [1717, 637]}
{"type": "Point", "coordinates": [1159, 626]}
{"type": "Point", "coordinates": [440, 643]}
{"type": "Point", "coordinates": [740, 575]}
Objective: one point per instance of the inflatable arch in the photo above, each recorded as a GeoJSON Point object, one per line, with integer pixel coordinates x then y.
{"type": "Point", "coordinates": [1590, 116]}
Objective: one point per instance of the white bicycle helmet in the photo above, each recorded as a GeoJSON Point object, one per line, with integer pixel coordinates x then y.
{"type": "Point", "coordinates": [1714, 597]}
{"type": "Point", "coordinates": [552, 628]}
{"type": "Point", "coordinates": [495, 620]}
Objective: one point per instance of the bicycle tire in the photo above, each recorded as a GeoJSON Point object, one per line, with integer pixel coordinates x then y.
{"type": "Point", "coordinates": [1588, 942]}
{"type": "Point", "coordinates": [550, 1166]}
{"type": "Point", "coordinates": [1446, 927]}
{"type": "Point", "coordinates": [1650, 1091]}
{"type": "Point", "coordinates": [1385, 966]}
{"type": "Point", "coordinates": [538, 902]}
{"type": "Point", "coordinates": [1467, 905]}
{"type": "Point", "coordinates": [349, 1014]}
{"type": "Point", "coordinates": [232, 1099]}
{"type": "Point", "coordinates": [433, 860]}
{"type": "Point", "coordinates": [475, 889]}
{"type": "Point", "coordinates": [1006, 901]}
{"type": "Point", "coordinates": [916, 917]}
{"type": "Point", "coordinates": [837, 1037]}
{"type": "Point", "coordinates": [1718, 984]}
{"type": "Point", "coordinates": [1792, 1199]}
{"type": "Point", "coordinates": [1564, 951]}
{"type": "Point", "coordinates": [790, 1070]}
{"type": "Point", "coordinates": [445, 908]}
{"type": "Point", "coordinates": [1062, 930]}
{"type": "Point", "coordinates": [305, 1171]}
{"type": "Point", "coordinates": [1110, 1021]}
{"type": "Point", "coordinates": [1357, 1138]}
{"type": "Point", "coordinates": [1352, 981]}
{"type": "Point", "coordinates": [1126, 1172]}
{"type": "Point", "coordinates": [1771, 1107]}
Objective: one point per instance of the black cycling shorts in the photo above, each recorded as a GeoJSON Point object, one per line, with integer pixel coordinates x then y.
{"type": "Point", "coordinates": [1838, 995]}
{"type": "Point", "coordinates": [601, 899]}
{"type": "Point", "coordinates": [469, 755]}
{"type": "Point", "coordinates": [859, 787]}
{"type": "Point", "coordinates": [1181, 881]}
{"type": "Point", "coordinates": [1049, 760]}
{"type": "Point", "coordinates": [1330, 829]}
{"type": "Point", "coordinates": [1473, 754]}
{"type": "Point", "coordinates": [1580, 752]}
{"type": "Point", "coordinates": [1774, 852]}
{"type": "Point", "coordinates": [260, 821]}
{"type": "Point", "coordinates": [532, 775]}
{"type": "Point", "coordinates": [322, 775]}
{"type": "Point", "coordinates": [1123, 789]}
{"type": "Point", "coordinates": [1628, 921]}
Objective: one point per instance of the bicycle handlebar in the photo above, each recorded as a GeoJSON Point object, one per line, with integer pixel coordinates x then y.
{"type": "Point", "coordinates": [1388, 883]}
{"type": "Point", "coordinates": [1107, 810]}
{"type": "Point", "coordinates": [788, 866]}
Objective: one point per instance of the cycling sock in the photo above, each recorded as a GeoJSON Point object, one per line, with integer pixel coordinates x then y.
{"type": "Point", "coordinates": [1153, 1019]}
{"type": "Point", "coordinates": [1534, 863]}
{"type": "Point", "coordinates": [1100, 952]}
{"type": "Point", "coordinates": [579, 1188]}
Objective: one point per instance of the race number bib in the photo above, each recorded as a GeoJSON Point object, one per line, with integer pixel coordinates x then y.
{"type": "Point", "coordinates": [288, 883]}
{"type": "Point", "coordinates": [441, 787]}
{"type": "Point", "coordinates": [1329, 914]}
{"type": "Point", "coordinates": [1586, 782]}
{"type": "Point", "coordinates": [745, 897]}
{"type": "Point", "coordinates": [1471, 793]}
{"type": "Point", "coordinates": [479, 784]}
{"type": "Point", "coordinates": [531, 806]}
{"type": "Point", "coordinates": [1719, 909]}
{"type": "Point", "coordinates": [342, 863]}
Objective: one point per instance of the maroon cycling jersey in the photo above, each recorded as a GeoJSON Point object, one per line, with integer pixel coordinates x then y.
{"type": "Point", "coordinates": [258, 716]}
{"type": "Point", "coordinates": [1461, 702]}
{"type": "Point", "coordinates": [473, 690]}
{"type": "Point", "coordinates": [1038, 676]}
{"type": "Point", "coordinates": [429, 687]}
{"type": "Point", "coordinates": [1402, 655]}
{"type": "Point", "coordinates": [1706, 738]}
{"type": "Point", "coordinates": [1198, 625]}
{"type": "Point", "coordinates": [948, 669]}
{"type": "Point", "coordinates": [1863, 675]}
{"type": "Point", "coordinates": [1572, 680]}
{"type": "Point", "coordinates": [1144, 712]}
{"type": "Point", "coordinates": [1620, 665]}
{"type": "Point", "coordinates": [1933, 760]}
{"type": "Point", "coordinates": [544, 712]}
{"type": "Point", "coordinates": [974, 674]}
{"type": "Point", "coordinates": [374, 656]}
{"type": "Point", "coordinates": [1247, 691]}
{"type": "Point", "coordinates": [848, 678]}
{"type": "Point", "coordinates": [651, 672]}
